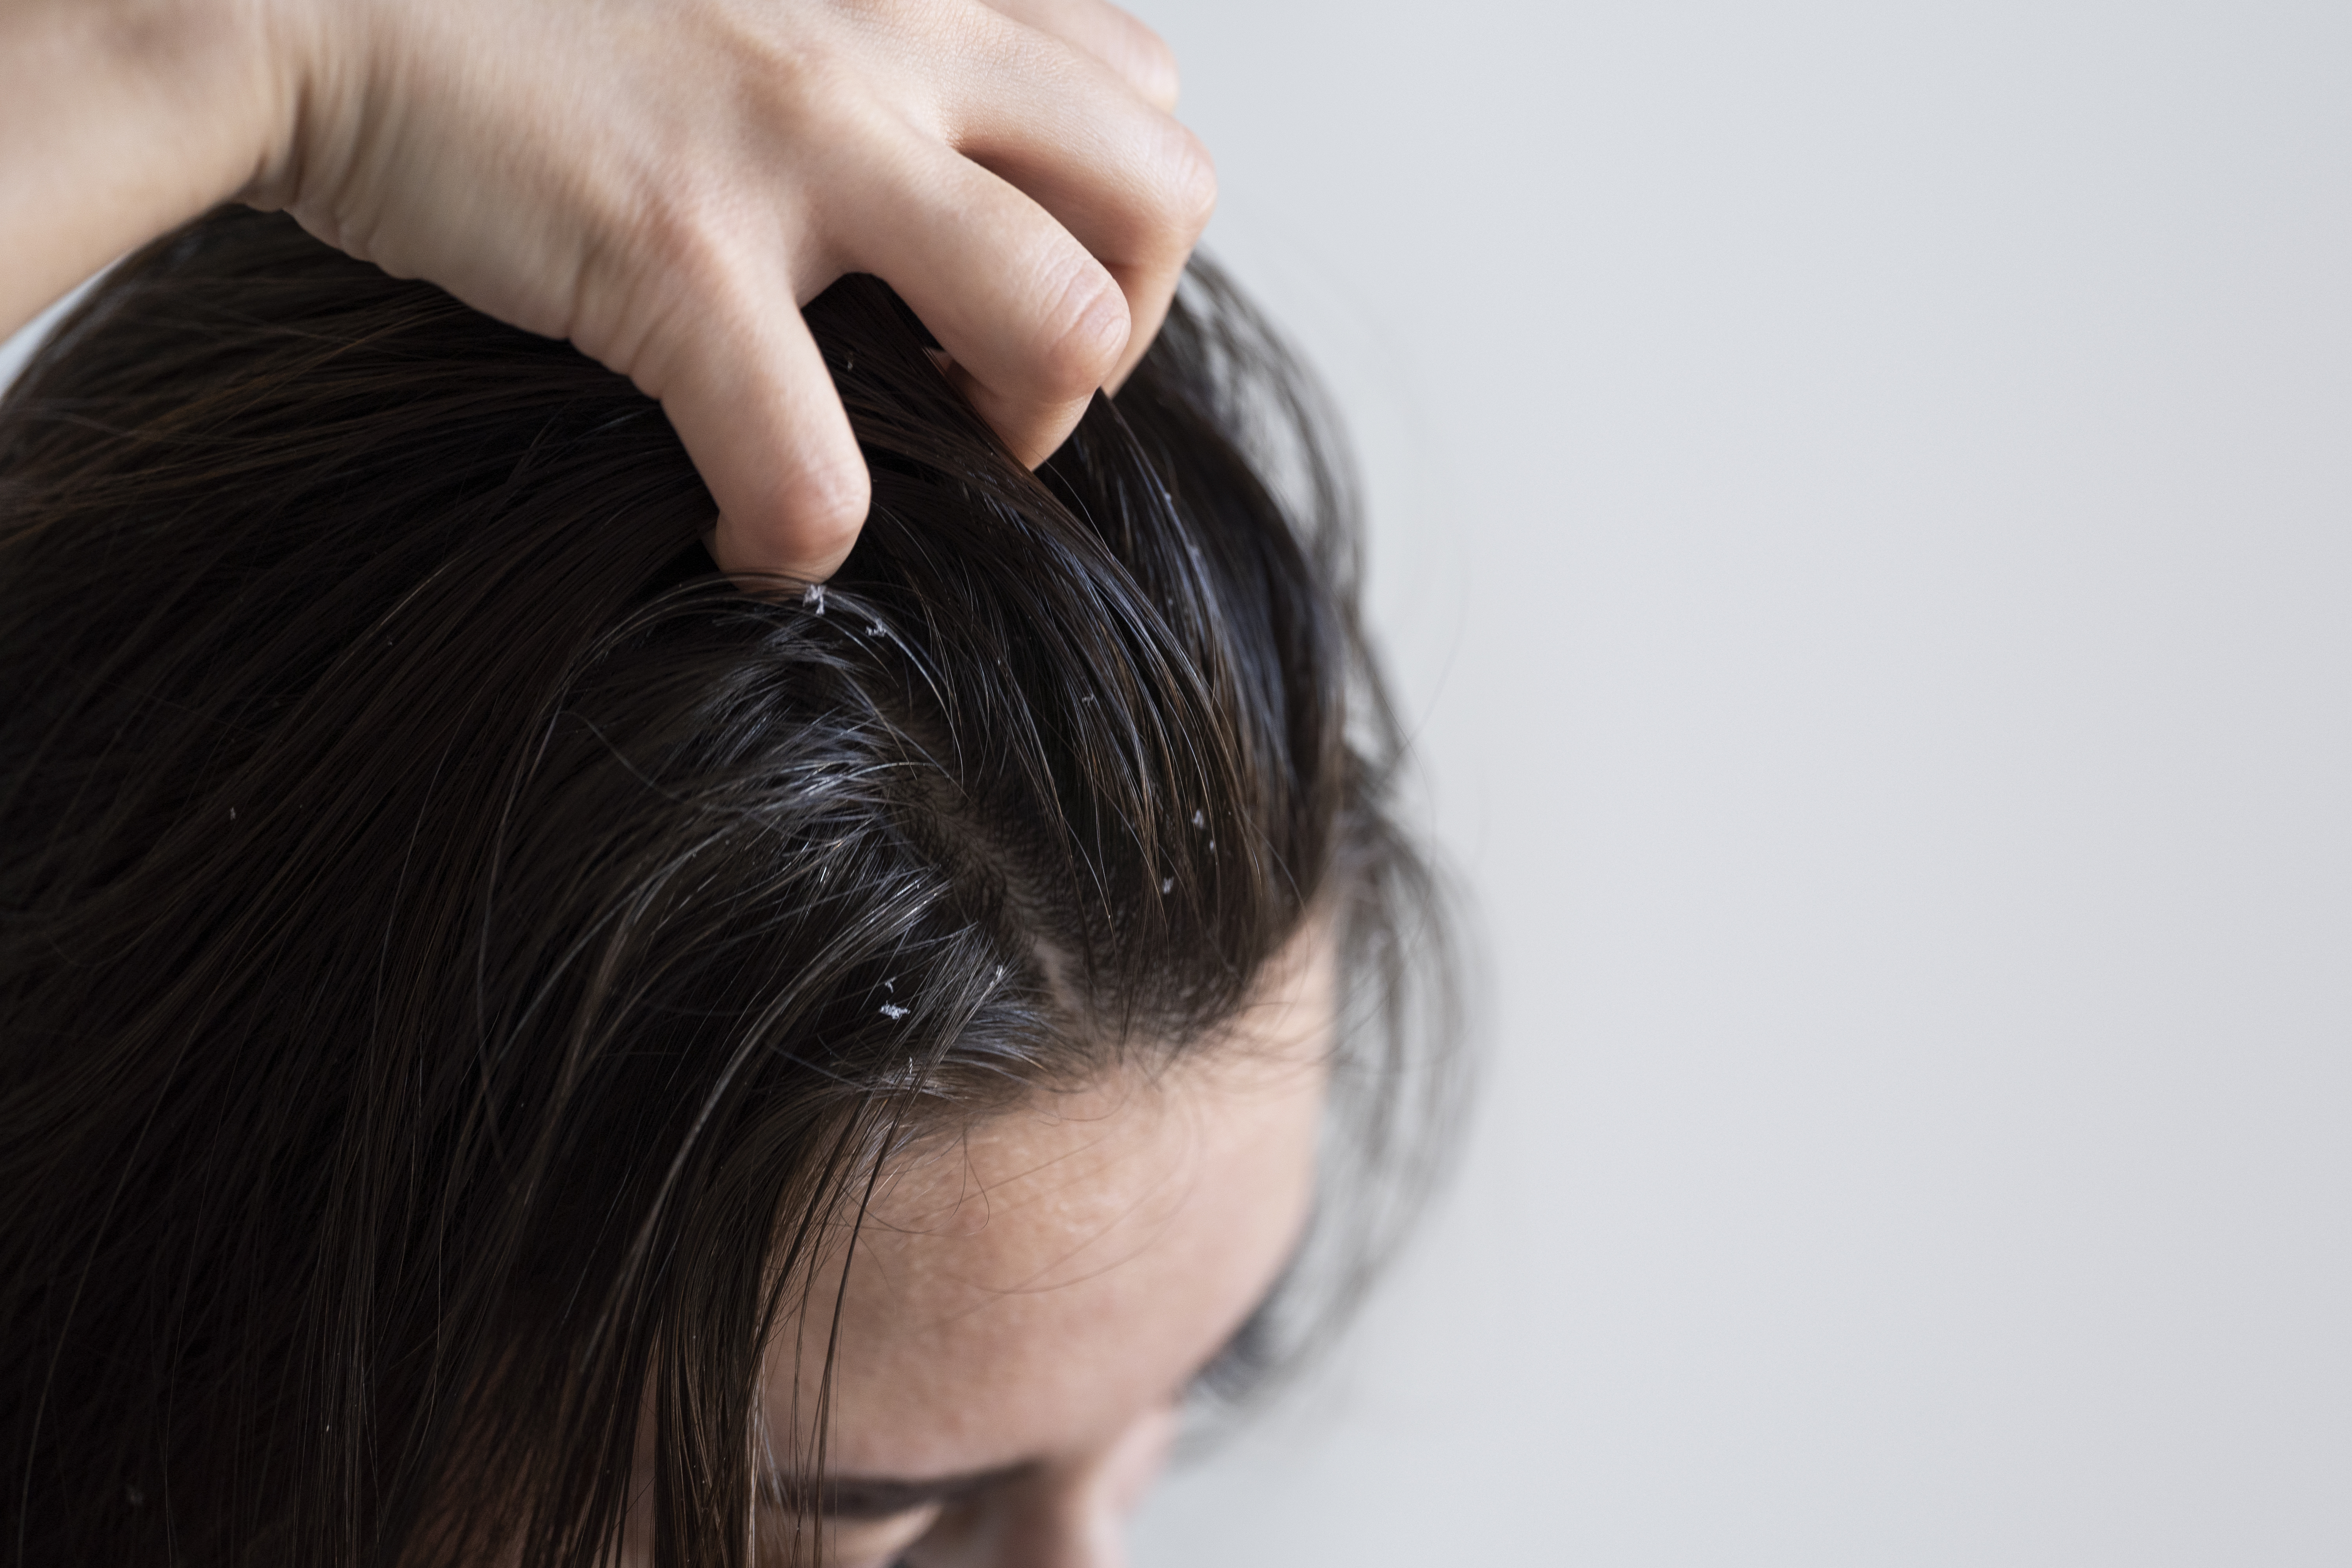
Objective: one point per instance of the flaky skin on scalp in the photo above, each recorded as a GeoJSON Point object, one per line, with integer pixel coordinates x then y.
{"type": "Point", "coordinates": [458, 953]}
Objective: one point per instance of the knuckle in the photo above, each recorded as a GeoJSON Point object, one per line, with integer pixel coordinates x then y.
{"type": "Point", "coordinates": [804, 93]}
{"type": "Point", "coordinates": [780, 89]}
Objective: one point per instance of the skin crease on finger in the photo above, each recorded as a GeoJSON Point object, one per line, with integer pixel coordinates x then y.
{"type": "Point", "coordinates": [1029, 1297]}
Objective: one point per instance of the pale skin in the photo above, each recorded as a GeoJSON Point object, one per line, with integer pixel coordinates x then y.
{"type": "Point", "coordinates": [1028, 1298]}
{"type": "Point", "coordinates": [664, 182]}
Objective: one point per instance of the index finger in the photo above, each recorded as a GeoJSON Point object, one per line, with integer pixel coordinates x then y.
{"type": "Point", "coordinates": [749, 393]}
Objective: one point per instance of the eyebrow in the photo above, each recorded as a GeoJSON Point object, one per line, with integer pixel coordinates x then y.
{"type": "Point", "coordinates": [883, 1497]}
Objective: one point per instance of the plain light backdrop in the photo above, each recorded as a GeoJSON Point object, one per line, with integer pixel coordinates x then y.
{"type": "Point", "coordinates": [1863, 514]}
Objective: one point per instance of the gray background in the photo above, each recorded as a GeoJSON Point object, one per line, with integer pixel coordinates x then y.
{"type": "Point", "coordinates": [1863, 518]}
{"type": "Point", "coordinates": [1862, 499]}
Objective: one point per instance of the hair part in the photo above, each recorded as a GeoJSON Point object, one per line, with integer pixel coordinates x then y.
{"type": "Point", "coordinates": [445, 927]}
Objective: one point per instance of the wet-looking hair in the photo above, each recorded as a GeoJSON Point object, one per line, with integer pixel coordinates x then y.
{"type": "Point", "coordinates": [459, 954]}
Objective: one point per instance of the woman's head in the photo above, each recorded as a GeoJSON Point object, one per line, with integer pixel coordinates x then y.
{"type": "Point", "coordinates": [499, 1019]}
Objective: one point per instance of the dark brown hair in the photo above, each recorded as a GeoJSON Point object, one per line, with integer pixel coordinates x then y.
{"type": "Point", "coordinates": [459, 951]}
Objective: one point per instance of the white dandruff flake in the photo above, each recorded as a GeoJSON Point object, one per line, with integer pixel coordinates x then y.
{"type": "Point", "coordinates": [1199, 818]}
{"type": "Point", "coordinates": [892, 1010]}
{"type": "Point", "coordinates": [813, 598]}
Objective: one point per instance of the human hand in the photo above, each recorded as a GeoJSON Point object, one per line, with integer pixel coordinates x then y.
{"type": "Point", "coordinates": [664, 182]}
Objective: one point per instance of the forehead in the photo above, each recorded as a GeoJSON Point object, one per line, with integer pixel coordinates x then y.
{"type": "Point", "coordinates": [1045, 1276]}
